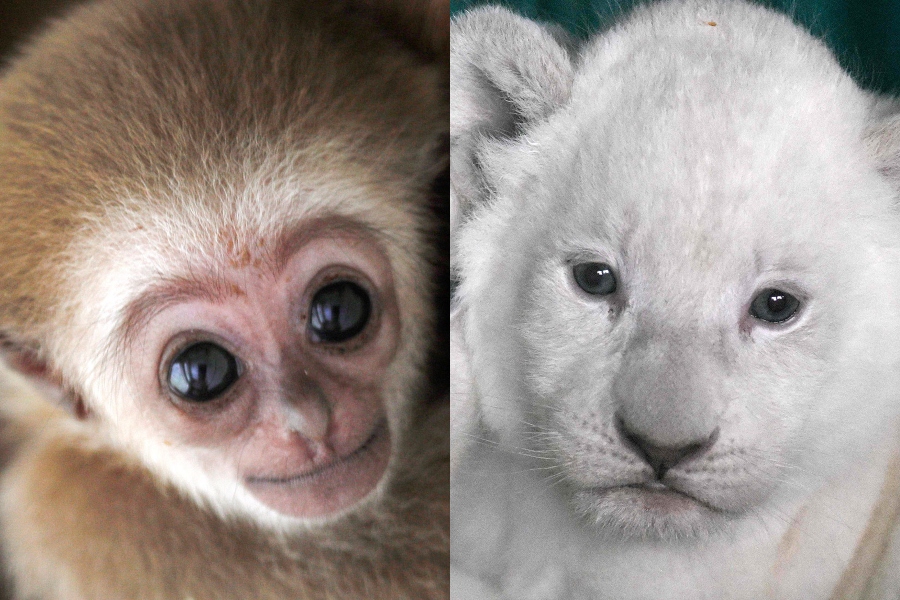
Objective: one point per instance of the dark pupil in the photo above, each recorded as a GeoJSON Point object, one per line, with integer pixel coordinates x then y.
{"type": "Point", "coordinates": [595, 278]}
{"type": "Point", "coordinates": [202, 372]}
{"type": "Point", "coordinates": [339, 311]}
{"type": "Point", "coordinates": [777, 302]}
{"type": "Point", "coordinates": [774, 306]}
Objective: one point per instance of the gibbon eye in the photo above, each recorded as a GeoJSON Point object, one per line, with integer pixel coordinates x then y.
{"type": "Point", "coordinates": [202, 372]}
{"type": "Point", "coordinates": [339, 311]}
{"type": "Point", "coordinates": [595, 278]}
{"type": "Point", "coordinates": [774, 306]}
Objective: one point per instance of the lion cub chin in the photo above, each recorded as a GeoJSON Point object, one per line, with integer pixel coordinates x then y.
{"type": "Point", "coordinates": [677, 328]}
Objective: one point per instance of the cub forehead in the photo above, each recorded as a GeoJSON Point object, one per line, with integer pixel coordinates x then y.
{"type": "Point", "coordinates": [703, 131]}
{"type": "Point", "coordinates": [667, 76]}
{"type": "Point", "coordinates": [751, 76]}
{"type": "Point", "coordinates": [681, 31]}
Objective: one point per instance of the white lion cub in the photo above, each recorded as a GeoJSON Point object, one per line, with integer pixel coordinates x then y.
{"type": "Point", "coordinates": [678, 252]}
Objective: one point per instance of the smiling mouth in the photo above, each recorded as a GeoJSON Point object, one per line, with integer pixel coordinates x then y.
{"type": "Point", "coordinates": [327, 470]}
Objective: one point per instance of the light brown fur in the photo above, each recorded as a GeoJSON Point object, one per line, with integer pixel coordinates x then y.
{"type": "Point", "coordinates": [83, 521]}
{"type": "Point", "coordinates": [151, 92]}
{"type": "Point", "coordinates": [118, 101]}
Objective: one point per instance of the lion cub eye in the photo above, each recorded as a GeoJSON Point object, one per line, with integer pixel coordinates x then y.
{"type": "Point", "coordinates": [595, 278]}
{"type": "Point", "coordinates": [774, 306]}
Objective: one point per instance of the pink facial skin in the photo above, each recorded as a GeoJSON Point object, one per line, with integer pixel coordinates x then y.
{"type": "Point", "coordinates": [304, 426]}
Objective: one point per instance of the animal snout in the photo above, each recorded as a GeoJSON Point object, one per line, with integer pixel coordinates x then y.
{"type": "Point", "coordinates": [662, 457]}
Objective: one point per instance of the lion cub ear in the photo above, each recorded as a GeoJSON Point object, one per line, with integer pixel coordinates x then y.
{"type": "Point", "coordinates": [883, 139]}
{"type": "Point", "coordinates": [505, 73]}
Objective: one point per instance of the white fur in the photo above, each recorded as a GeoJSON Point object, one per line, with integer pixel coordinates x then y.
{"type": "Point", "coordinates": [463, 407]}
{"type": "Point", "coordinates": [707, 150]}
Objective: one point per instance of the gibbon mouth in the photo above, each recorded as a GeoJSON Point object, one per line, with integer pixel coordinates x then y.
{"type": "Point", "coordinates": [328, 489]}
{"type": "Point", "coordinates": [319, 472]}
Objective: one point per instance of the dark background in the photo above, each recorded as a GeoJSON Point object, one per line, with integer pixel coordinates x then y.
{"type": "Point", "coordinates": [18, 18]}
{"type": "Point", "coordinates": [865, 34]}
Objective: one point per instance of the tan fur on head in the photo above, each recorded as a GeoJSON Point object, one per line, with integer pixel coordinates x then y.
{"type": "Point", "coordinates": [165, 95]}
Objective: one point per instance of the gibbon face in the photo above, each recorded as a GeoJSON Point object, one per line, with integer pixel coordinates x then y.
{"type": "Point", "coordinates": [218, 242]}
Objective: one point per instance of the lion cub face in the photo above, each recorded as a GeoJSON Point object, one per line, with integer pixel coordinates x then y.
{"type": "Point", "coordinates": [683, 292]}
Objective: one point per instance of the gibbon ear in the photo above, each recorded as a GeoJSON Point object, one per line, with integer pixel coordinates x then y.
{"type": "Point", "coordinates": [505, 73]}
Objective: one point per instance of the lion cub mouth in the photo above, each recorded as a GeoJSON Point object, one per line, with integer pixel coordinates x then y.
{"type": "Point", "coordinates": [640, 489]}
{"type": "Point", "coordinates": [657, 497]}
{"type": "Point", "coordinates": [650, 510]}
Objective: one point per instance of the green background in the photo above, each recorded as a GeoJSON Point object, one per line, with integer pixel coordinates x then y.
{"type": "Point", "coordinates": [864, 34]}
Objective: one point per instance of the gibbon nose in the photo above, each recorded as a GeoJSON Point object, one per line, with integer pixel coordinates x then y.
{"type": "Point", "coordinates": [663, 458]}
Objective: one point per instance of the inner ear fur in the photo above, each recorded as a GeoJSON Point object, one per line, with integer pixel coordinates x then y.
{"type": "Point", "coordinates": [883, 139]}
{"type": "Point", "coordinates": [505, 73]}
{"type": "Point", "coordinates": [28, 360]}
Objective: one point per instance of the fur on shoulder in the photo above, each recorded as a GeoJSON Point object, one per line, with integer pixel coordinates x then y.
{"type": "Point", "coordinates": [81, 520]}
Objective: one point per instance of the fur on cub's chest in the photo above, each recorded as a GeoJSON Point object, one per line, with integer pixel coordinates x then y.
{"type": "Point", "coordinates": [704, 164]}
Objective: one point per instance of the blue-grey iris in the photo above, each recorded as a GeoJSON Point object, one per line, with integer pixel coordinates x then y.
{"type": "Point", "coordinates": [774, 306]}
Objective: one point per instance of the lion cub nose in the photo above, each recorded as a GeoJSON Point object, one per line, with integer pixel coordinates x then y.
{"type": "Point", "coordinates": [662, 458]}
